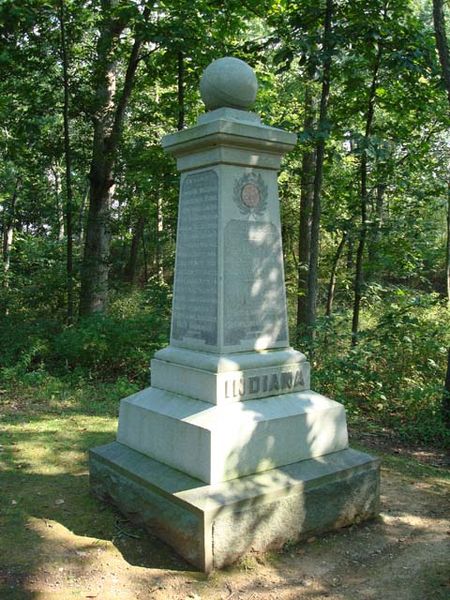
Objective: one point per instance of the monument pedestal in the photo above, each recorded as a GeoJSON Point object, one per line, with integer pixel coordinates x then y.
{"type": "Point", "coordinates": [230, 450]}
{"type": "Point", "coordinates": [218, 443]}
{"type": "Point", "coordinates": [212, 526]}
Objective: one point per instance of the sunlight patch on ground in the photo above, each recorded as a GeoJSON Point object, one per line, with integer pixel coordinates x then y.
{"type": "Point", "coordinates": [55, 446]}
{"type": "Point", "coordinates": [78, 566]}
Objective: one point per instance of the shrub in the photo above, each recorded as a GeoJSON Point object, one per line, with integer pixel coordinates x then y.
{"type": "Point", "coordinates": [395, 375]}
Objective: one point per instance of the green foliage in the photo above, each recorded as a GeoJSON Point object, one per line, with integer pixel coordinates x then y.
{"type": "Point", "coordinates": [394, 376]}
{"type": "Point", "coordinates": [101, 347]}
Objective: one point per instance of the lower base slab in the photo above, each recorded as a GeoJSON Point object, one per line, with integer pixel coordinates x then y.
{"type": "Point", "coordinates": [214, 525]}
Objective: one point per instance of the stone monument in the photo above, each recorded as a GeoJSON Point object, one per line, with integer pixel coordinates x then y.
{"type": "Point", "coordinates": [229, 450]}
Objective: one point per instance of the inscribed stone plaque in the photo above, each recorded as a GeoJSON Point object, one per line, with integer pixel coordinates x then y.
{"type": "Point", "coordinates": [254, 296]}
{"type": "Point", "coordinates": [194, 316]}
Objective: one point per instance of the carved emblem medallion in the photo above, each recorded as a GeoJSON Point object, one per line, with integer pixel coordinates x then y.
{"type": "Point", "coordinates": [250, 194]}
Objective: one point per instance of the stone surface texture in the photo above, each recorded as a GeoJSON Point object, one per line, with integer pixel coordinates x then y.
{"type": "Point", "coordinates": [214, 525]}
{"type": "Point", "coordinates": [218, 443]}
{"type": "Point", "coordinates": [230, 450]}
{"type": "Point", "coordinates": [229, 82]}
{"type": "Point", "coordinates": [286, 372]}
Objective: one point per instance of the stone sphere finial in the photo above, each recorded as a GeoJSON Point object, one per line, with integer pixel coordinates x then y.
{"type": "Point", "coordinates": [228, 82]}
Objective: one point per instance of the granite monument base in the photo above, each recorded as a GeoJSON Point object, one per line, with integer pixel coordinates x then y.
{"type": "Point", "coordinates": [216, 443]}
{"type": "Point", "coordinates": [212, 526]}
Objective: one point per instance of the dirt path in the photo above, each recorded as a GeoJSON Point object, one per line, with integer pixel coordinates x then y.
{"type": "Point", "coordinates": [405, 554]}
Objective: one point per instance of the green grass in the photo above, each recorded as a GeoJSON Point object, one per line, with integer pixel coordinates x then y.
{"type": "Point", "coordinates": [45, 437]}
{"type": "Point", "coordinates": [49, 522]}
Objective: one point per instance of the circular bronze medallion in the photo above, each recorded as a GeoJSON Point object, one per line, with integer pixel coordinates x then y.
{"type": "Point", "coordinates": [250, 195]}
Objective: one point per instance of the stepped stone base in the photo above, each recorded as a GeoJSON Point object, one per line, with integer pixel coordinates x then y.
{"type": "Point", "coordinates": [212, 526]}
{"type": "Point", "coordinates": [216, 443]}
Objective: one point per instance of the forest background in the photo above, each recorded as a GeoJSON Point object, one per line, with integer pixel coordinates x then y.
{"type": "Point", "coordinates": [88, 200]}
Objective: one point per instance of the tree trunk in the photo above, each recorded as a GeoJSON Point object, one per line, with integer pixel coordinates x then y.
{"type": "Point", "coordinates": [332, 283]}
{"type": "Point", "coordinates": [349, 261]}
{"type": "Point", "coordinates": [447, 254]}
{"type": "Point", "coordinates": [81, 216]}
{"type": "Point", "coordinates": [159, 241]}
{"type": "Point", "coordinates": [441, 42]}
{"type": "Point", "coordinates": [59, 209]}
{"type": "Point", "coordinates": [131, 271]}
{"type": "Point", "coordinates": [145, 255]}
{"type": "Point", "coordinates": [108, 123]}
{"type": "Point", "coordinates": [359, 274]}
{"type": "Point", "coordinates": [306, 199]}
{"type": "Point", "coordinates": [446, 395]}
{"type": "Point", "coordinates": [318, 176]}
{"type": "Point", "coordinates": [444, 58]}
{"type": "Point", "coordinates": [377, 224]}
{"type": "Point", "coordinates": [68, 160]}
{"type": "Point", "coordinates": [8, 233]}
{"type": "Point", "coordinates": [180, 82]}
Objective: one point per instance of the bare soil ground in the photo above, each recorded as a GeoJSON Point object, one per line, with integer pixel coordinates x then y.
{"type": "Point", "coordinates": [57, 542]}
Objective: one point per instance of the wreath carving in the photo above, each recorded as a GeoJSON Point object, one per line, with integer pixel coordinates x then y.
{"type": "Point", "coordinates": [250, 194]}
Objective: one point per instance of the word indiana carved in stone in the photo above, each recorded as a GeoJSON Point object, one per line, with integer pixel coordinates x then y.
{"type": "Point", "coordinates": [273, 382]}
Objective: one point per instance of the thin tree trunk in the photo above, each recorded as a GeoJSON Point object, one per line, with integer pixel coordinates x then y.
{"type": "Point", "coordinates": [145, 255]}
{"type": "Point", "coordinates": [332, 283]}
{"type": "Point", "coordinates": [108, 123]}
{"type": "Point", "coordinates": [81, 217]}
{"type": "Point", "coordinates": [68, 160]}
{"type": "Point", "coordinates": [181, 111]}
{"type": "Point", "coordinates": [58, 208]}
{"type": "Point", "coordinates": [446, 396]}
{"type": "Point", "coordinates": [441, 42]}
{"type": "Point", "coordinates": [359, 274]}
{"type": "Point", "coordinates": [377, 224]}
{"type": "Point", "coordinates": [306, 199]}
{"type": "Point", "coordinates": [447, 257]}
{"type": "Point", "coordinates": [349, 261]}
{"type": "Point", "coordinates": [320, 154]}
{"type": "Point", "coordinates": [8, 234]}
{"type": "Point", "coordinates": [131, 270]}
{"type": "Point", "coordinates": [159, 245]}
{"type": "Point", "coordinates": [444, 58]}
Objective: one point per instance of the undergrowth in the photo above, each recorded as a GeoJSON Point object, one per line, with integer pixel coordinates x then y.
{"type": "Point", "coordinates": [392, 378]}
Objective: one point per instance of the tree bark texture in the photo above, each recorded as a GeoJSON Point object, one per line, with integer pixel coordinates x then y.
{"type": "Point", "coordinates": [306, 200]}
{"type": "Point", "coordinates": [108, 122]}
{"type": "Point", "coordinates": [318, 176]}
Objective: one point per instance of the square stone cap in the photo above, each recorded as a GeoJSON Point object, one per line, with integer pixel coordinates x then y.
{"type": "Point", "coordinates": [224, 130]}
{"type": "Point", "coordinates": [238, 361]}
{"type": "Point", "coordinates": [229, 114]}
